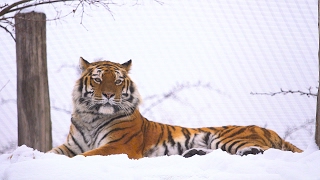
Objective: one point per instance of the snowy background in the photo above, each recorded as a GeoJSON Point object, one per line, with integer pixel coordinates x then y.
{"type": "Point", "coordinates": [195, 63]}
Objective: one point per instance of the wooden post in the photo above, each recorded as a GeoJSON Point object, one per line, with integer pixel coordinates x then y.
{"type": "Point", "coordinates": [34, 123]}
{"type": "Point", "coordinates": [317, 136]}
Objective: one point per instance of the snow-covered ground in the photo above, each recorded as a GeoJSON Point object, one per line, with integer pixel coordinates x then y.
{"type": "Point", "coordinates": [25, 163]}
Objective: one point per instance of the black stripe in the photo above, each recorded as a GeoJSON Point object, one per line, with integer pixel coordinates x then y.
{"type": "Point", "coordinates": [83, 83]}
{"type": "Point", "coordinates": [223, 147]}
{"type": "Point", "coordinates": [138, 132]}
{"type": "Point", "coordinates": [165, 148]}
{"type": "Point", "coordinates": [256, 137]}
{"type": "Point", "coordinates": [227, 131]}
{"type": "Point", "coordinates": [73, 153]}
{"type": "Point", "coordinates": [230, 136]}
{"type": "Point", "coordinates": [130, 99]}
{"type": "Point", "coordinates": [116, 140]}
{"type": "Point", "coordinates": [180, 150]}
{"type": "Point", "coordinates": [131, 137]}
{"type": "Point", "coordinates": [212, 141]}
{"type": "Point", "coordinates": [79, 128]}
{"type": "Point", "coordinates": [212, 128]}
{"type": "Point", "coordinates": [76, 142]}
{"type": "Point", "coordinates": [240, 145]}
{"type": "Point", "coordinates": [231, 145]}
{"type": "Point", "coordinates": [170, 139]}
{"type": "Point", "coordinates": [131, 88]}
{"type": "Point", "coordinates": [111, 131]}
{"type": "Point", "coordinates": [145, 124]}
{"type": "Point", "coordinates": [192, 140]}
{"type": "Point", "coordinates": [90, 112]}
{"type": "Point", "coordinates": [267, 135]}
{"type": "Point", "coordinates": [127, 85]}
{"type": "Point", "coordinates": [266, 132]}
{"type": "Point", "coordinates": [206, 138]}
{"type": "Point", "coordinates": [90, 71]}
{"type": "Point", "coordinates": [80, 84]}
{"type": "Point", "coordinates": [186, 134]}
{"type": "Point", "coordinates": [217, 144]}
{"type": "Point", "coordinates": [99, 128]}
{"type": "Point", "coordinates": [161, 134]}
{"type": "Point", "coordinates": [242, 129]}
{"type": "Point", "coordinates": [144, 128]}
{"type": "Point", "coordinates": [120, 122]}
{"type": "Point", "coordinates": [61, 151]}
{"type": "Point", "coordinates": [264, 142]}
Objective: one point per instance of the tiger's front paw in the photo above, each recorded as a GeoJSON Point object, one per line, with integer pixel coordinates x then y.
{"type": "Point", "coordinates": [250, 150]}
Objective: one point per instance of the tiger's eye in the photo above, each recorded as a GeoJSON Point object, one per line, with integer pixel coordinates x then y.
{"type": "Point", "coordinates": [118, 82]}
{"type": "Point", "coordinates": [97, 80]}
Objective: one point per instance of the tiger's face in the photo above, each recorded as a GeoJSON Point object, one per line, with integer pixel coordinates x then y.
{"type": "Point", "coordinates": [105, 88]}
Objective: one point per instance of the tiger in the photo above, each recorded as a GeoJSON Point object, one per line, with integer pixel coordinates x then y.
{"type": "Point", "coordinates": [106, 120]}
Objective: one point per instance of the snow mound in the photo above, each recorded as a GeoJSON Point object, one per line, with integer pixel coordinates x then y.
{"type": "Point", "coordinates": [27, 163]}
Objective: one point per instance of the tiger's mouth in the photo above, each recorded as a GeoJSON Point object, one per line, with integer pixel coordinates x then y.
{"type": "Point", "coordinates": [103, 102]}
{"type": "Point", "coordinates": [102, 106]}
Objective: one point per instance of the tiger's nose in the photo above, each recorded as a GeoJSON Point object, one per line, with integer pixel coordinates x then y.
{"type": "Point", "coordinates": [108, 95]}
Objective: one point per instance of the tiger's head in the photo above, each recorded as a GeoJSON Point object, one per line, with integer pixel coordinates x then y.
{"type": "Point", "coordinates": [105, 88]}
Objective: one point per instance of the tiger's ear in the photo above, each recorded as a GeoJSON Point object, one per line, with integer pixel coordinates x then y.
{"type": "Point", "coordinates": [83, 64]}
{"type": "Point", "coordinates": [127, 65]}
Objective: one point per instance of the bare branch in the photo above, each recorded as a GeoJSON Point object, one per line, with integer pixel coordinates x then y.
{"type": "Point", "coordinates": [8, 8]}
{"type": "Point", "coordinates": [3, 6]}
{"type": "Point", "coordinates": [173, 93]}
{"type": "Point", "coordinates": [309, 93]}
{"type": "Point", "coordinates": [7, 30]}
{"type": "Point", "coordinates": [305, 126]}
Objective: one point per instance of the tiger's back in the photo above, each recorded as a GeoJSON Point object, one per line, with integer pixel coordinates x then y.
{"type": "Point", "coordinates": [106, 120]}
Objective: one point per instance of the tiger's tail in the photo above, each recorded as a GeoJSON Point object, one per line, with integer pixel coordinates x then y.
{"type": "Point", "coordinates": [286, 146]}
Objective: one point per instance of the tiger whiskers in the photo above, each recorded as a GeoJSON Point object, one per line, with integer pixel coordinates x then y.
{"type": "Point", "coordinates": [125, 109]}
{"type": "Point", "coordinates": [92, 105]}
{"type": "Point", "coordinates": [128, 108]}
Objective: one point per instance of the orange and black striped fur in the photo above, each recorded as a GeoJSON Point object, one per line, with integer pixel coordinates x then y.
{"type": "Point", "coordinates": [106, 120]}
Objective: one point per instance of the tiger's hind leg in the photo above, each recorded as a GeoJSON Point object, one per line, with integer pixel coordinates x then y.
{"type": "Point", "coordinates": [196, 151]}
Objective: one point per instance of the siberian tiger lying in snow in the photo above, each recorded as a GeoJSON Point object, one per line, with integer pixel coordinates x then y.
{"type": "Point", "coordinates": [106, 120]}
